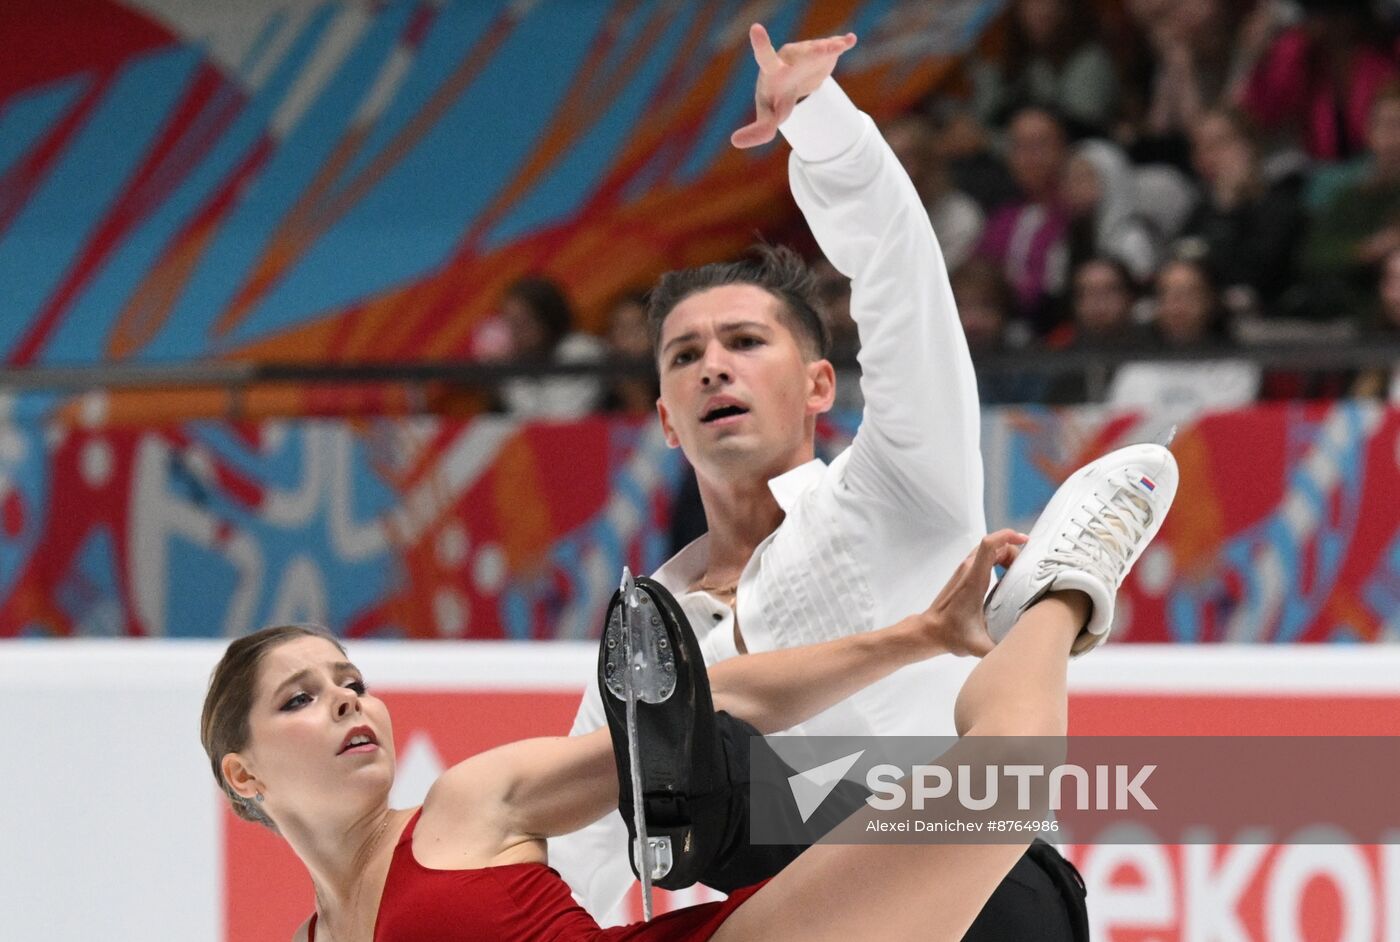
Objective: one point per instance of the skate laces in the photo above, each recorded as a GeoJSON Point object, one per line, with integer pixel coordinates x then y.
{"type": "Point", "coordinates": [1103, 535]}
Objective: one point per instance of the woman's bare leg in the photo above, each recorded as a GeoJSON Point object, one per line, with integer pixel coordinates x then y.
{"type": "Point", "coordinates": [928, 891]}
{"type": "Point", "coordinates": [1024, 676]}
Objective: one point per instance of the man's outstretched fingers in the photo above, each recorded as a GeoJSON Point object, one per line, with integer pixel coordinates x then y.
{"type": "Point", "coordinates": [754, 134]}
{"type": "Point", "coordinates": [763, 52]}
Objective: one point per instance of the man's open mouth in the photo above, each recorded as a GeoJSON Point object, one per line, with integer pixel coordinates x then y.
{"type": "Point", "coordinates": [723, 412]}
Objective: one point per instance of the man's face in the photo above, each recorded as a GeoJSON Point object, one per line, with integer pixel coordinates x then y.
{"type": "Point", "coordinates": [738, 395]}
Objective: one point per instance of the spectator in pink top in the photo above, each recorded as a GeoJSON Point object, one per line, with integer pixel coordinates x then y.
{"type": "Point", "coordinates": [1027, 238]}
{"type": "Point", "coordinates": [1321, 77]}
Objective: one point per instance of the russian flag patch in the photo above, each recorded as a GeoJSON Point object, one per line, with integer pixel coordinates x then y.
{"type": "Point", "coordinates": [1147, 483]}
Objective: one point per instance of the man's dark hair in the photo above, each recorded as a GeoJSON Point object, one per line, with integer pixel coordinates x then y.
{"type": "Point", "coordinates": [776, 269]}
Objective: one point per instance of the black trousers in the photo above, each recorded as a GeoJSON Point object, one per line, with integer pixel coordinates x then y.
{"type": "Point", "coordinates": [1041, 899]}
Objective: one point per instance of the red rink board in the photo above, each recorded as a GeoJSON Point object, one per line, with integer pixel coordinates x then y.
{"type": "Point", "coordinates": [1159, 894]}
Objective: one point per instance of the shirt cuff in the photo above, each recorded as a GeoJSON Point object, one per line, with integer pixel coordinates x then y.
{"type": "Point", "coordinates": [824, 124]}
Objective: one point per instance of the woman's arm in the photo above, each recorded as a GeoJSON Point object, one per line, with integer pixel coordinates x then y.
{"type": "Point", "coordinates": [775, 690]}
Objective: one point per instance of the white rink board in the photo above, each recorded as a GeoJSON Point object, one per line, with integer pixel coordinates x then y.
{"type": "Point", "coordinates": [109, 819]}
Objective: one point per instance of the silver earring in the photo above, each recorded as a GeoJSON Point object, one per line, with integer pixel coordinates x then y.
{"type": "Point", "coordinates": [258, 798]}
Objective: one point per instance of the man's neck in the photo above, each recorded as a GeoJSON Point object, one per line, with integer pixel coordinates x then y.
{"type": "Point", "coordinates": [739, 514]}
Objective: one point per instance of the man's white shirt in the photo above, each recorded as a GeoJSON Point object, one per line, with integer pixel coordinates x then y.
{"type": "Point", "coordinates": [872, 537]}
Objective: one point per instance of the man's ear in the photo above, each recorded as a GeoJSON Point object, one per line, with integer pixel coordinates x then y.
{"type": "Point", "coordinates": [821, 393]}
{"type": "Point", "coordinates": [239, 776]}
{"type": "Point", "coordinates": [671, 439]}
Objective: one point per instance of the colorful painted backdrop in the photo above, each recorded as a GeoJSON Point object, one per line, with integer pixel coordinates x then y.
{"type": "Point", "coordinates": [1286, 527]}
{"type": "Point", "coordinates": [339, 181]}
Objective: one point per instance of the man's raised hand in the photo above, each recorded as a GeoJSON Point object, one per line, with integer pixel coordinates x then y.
{"type": "Point", "coordinates": [785, 76]}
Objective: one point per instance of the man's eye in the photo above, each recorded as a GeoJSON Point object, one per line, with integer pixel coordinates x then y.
{"type": "Point", "coordinates": [682, 358]}
{"type": "Point", "coordinates": [747, 342]}
{"type": "Point", "coordinates": [298, 701]}
{"type": "Point", "coordinates": [358, 686]}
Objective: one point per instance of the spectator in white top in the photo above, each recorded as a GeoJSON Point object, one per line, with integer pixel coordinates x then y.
{"type": "Point", "coordinates": [1188, 315]}
{"type": "Point", "coordinates": [539, 329]}
{"type": "Point", "coordinates": [1100, 193]}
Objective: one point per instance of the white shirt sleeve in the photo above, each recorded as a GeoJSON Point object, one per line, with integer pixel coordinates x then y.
{"type": "Point", "coordinates": [593, 860]}
{"type": "Point", "coordinates": [919, 436]}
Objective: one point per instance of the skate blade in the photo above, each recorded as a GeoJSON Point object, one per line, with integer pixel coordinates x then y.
{"type": "Point", "coordinates": [653, 667]}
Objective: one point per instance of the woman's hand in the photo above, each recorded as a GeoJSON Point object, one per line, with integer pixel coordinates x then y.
{"type": "Point", "coordinates": [955, 622]}
{"type": "Point", "coordinates": [785, 77]}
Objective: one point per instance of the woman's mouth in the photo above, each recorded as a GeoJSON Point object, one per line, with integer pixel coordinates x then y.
{"type": "Point", "coordinates": [359, 739]}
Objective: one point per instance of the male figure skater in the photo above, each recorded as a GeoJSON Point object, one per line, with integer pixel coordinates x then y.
{"type": "Point", "coordinates": [797, 550]}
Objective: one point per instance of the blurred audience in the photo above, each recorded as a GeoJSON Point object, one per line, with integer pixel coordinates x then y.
{"type": "Point", "coordinates": [1187, 306]}
{"type": "Point", "coordinates": [1197, 59]}
{"type": "Point", "coordinates": [985, 304]}
{"type": "Point", "coordinates": [965, 146]}
{"type": "Point", "coordinates": [956, 217]}
{"type": "Point", "coordinates": [1101, 198]}
{"type": "Point", "coordinates": [1105, 295]}
{"type": "Point", "coordinates": [1245, 226]}
{"type": "Point", "coordinates": [1103, 298]}
{"type": "Point", "coordinates": [538, 323]}
{"type": "Point", "coordinates": [1188, 315]}
{"type": "Point", "coordinates": [627, 341]}
{"type": "Point", "coordinates": [1359, 226]}
{"type": "Point", "coordinates": [1318, 79]}
{"type": "Point", "coordinates": [1051, 58]}
{"type": "Point", "coordinates": [1027, 238]}
{"type": "Point", "coordinates": [1383, 325]}
{"type": "Point", "coordinates": [1240, 157]}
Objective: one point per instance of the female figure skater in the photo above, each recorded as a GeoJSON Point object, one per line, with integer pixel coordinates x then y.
{"type": "Point", "coordinates": [298, 743]}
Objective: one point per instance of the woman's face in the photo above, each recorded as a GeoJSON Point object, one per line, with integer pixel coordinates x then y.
{"type": "Point", "coordinates": [1102, 302]}
{"type": "Point", "coordinates": [1184, 303]}
{"type": "Point", "coordinates": [309, 711]}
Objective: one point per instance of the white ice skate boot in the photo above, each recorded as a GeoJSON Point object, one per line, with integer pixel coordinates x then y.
{"type": "Point", "coordinates": [1088, 537]}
